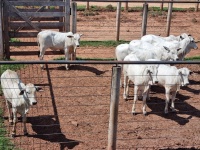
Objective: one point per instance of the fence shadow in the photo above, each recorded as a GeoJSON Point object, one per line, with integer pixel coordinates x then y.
{"type": "Point", "coordinates": [81, 68]}
{"type": "Point", "coordinates": [48, 129]}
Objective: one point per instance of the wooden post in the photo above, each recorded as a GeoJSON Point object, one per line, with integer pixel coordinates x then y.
{"type": "Point", "coordinates": [6, 38]}
{"type": "Point", "coordinates": [197, 6]}
{"type": "Point", "coordinates": [126, 6]}
{"type": "Point", "coordinates": [144, 19]}
{"type": "Point", "coordinates": [67, 15]}
{"type": "Point", "coordinates": [161, 5]}
{"type": "Point", "coordinates": [118, 20]}
{"type": "Point", "coordinates": [74, 16]}
{"type": "Point", "coordinates": [88, 5]}
{"type": "Point", "coordinates": [169, 16]}
{"type": "Point", "coordinates": [1, 32]}
{"type": "Point", "coordinates": [114, 102]}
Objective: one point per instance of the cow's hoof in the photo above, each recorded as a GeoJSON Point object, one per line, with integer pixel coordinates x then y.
{"type": "Point", "coordinates": [145, 113]}
{"type": "Point", "coordinates": [26, 134]}
{"type": "Point", "coordinates": [12, 135]}
{"type": "Point", "coordinates": [133, 113]}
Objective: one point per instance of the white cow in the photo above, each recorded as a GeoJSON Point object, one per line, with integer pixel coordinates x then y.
{"type": "Point", "coordinates": [145, 50]}
{"type": "Point", "coordinates": [18, 96]}
{"type": "Point", "coordinates": [141, 76]}
{"type": "Point", "coordinates": [67, 42]}
{"type": "Point", "coordinates": [121, 51]}
{"type": "Point", "coordinates": [186, 45]}
{"type": "Point", "coordinates": [151, 38]}
{"type": "Point", "coordinates": [172, 78]}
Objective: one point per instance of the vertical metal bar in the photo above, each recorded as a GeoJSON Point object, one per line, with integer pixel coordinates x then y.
{"type": "Point", "coordinates": [67, 15]}
{"type": "Point", "coordinates": [114, 102]}
{"type": "Point", "coordinates": [1, 31]}
{"type": "Point", "coordinates": [88, 5]}
{"type": "Point", "coordinates": [169, 16]}
{"type": "Point", "coordinates": [74, 16]}
{"type": "Point", "coordinates": [197, 6]}
{"type": "Point", "coordinates": [144, 19]}
{"type": "Point", "coordinates": [118, 20]}
{"type": "Point", "coordinates": [126, 6]}
{"type": "Point", "coordinates": [161, 5]}
{"type": "Point", "coordinates": [6, 38]}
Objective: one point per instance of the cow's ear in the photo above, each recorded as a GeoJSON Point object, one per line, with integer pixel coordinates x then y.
{"type": "Point", "coordinates": [181, 37]}
{"type": "Point", "coordinates": [38, 88]}
{"type": "Point", "coordinates": [70, 36]}
{"type": "Point", "coordinates": [166, 48]}
{"type": "Point", "coordinates": [21, 92]}
{"type": "Point", "coordinates": [81, 34]}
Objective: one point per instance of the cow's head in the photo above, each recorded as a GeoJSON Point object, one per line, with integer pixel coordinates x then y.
{"type": "Point", "coordinates": [170, 55]}
{"type": "Point", "coordinates": [29, 93]}
{"type": "Point", "coordinates": [152, 71]}
{"type": "Point", "coordinates": [77, 38]}
{"type": "Point", "coordinates": [184, 74]}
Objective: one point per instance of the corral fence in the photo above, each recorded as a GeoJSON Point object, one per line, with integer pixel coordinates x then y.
{"type": "Point", "coordinates": [144, 13]}
{"type": "Point", "coordinates": [82, 109]}
{"type": "Point", "coordinates": [22, 20]}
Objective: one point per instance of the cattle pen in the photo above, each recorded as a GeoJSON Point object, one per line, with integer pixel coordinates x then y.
{"type": "Point", "coordinates": [83, 108]}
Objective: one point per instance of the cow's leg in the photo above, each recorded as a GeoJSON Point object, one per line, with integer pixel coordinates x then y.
{"type": "Point", "coordinates": [167, 94]}
{"type": "Point", "coordinates": [67, 58]}
{"type": "Point", "coordinates": [42, 51]}
{"type": "Point", "coordinates": [135, 98]}
{"type": "Point", "coordinates": [24, 122]}
{"type": "Point", "coordinates": [173, 99]}
{"type": "Point", "coordinates": [144, 95]}
{"type": "Point", "coordinates": [10, 117]}
{"type": "Point", "coordinates": [14, 110]}
{"type": "Point", "coordinates": [125, 86]}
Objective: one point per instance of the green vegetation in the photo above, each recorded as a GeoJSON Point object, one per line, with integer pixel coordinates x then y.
{"type": "Point", "coordinates": [5, 143]}
{"type": "Point", "coordinates": [131, 9]}
{"type": "Point", "coordinates": [89, 59]}
{"type": "Point", "coordinates": [194, 58]}
{"type": "Point", "coordinates": [14, 40]}
{"type": "Point", "coordinates": [102, 43]}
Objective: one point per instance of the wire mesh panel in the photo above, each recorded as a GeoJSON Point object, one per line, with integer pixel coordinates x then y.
{"type": "Point", "coordinates": [73, 111]}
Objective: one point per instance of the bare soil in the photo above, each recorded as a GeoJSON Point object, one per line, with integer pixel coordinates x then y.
{"type": "Point", "coordinates": [73, 110]}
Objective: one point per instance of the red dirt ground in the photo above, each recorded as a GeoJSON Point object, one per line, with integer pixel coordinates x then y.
{"type": "Point", "coordinates": [73, 109]}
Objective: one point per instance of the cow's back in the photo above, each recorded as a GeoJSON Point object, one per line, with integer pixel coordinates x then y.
{"type": "Point", "coordinates": [9, 84]}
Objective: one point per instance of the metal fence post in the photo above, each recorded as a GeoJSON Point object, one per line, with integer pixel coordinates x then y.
{"type": "Point", "coordinates": [114, 101]}
{"type": "Point", "coordinates": [197, 6]}
{"type": "Point", "coordinates": [67, 15]}
{"type": "Point", "coordinates": [1, 31]}
{"type": "Point", "coordinates": [74, 16]}
{"type": "Point", "coordinates": [144, 19]}
{"type": "Point", "coordinates": [118, 20]}
{"type": "Point", "coordinates": [169, 16]}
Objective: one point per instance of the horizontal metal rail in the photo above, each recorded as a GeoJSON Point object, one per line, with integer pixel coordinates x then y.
{"type": "Point", "coordinates": [98, 62]}
{"type": "Point", "coordinates": [136, 1]}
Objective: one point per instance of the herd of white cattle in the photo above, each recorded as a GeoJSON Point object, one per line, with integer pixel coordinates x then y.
{"type": "Point", "coordinates": [155, 48]}
{"type": "Point", "coordinates": [20, 97]}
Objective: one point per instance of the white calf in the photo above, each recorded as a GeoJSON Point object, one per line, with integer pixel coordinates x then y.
{"type": "Point", "coordinates": [18, 96]}
{"type": "Point", "coordinates": [172, 78]}
{"type": "Point", "coordinates": [57, 40]}
{"type": "Point", "coordinates": [141, 76]}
